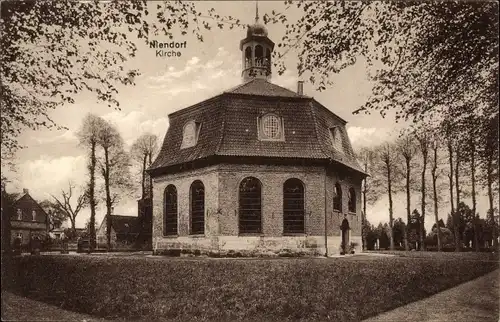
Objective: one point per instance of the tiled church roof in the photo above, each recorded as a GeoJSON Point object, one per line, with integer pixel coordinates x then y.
{"type": "Point", "coordinates": [229, 127]}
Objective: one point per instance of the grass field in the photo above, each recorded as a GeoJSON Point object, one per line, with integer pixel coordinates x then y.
{"type": "Point", "coordinates": [307, 289]}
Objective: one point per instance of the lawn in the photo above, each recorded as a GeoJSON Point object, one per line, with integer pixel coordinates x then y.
{"type": "Point", "coordinates": [307, 289]}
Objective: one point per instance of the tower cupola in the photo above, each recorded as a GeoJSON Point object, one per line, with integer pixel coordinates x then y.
{"type": "Point", "coordinates": [256, 51]}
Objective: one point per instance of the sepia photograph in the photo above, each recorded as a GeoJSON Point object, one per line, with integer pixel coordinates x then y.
{"type": "Point", "coordinates": [249, 160]}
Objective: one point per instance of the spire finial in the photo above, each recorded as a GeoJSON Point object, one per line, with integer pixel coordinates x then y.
{"type": "Point", "coordinates": [256, 11]}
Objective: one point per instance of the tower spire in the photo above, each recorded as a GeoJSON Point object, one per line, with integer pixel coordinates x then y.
{"type": "Point", "coordinates": [256, 11]}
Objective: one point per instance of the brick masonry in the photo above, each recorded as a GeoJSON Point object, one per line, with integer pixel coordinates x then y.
{"type": "Point", "coordinates": [221, 210]}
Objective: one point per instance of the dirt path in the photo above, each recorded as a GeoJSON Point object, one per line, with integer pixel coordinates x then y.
{"type": "Point", "coordinates": [476, 300]}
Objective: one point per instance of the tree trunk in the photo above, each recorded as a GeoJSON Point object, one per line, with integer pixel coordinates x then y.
{"type": "Point", "coordinates": [389, 190]}
{"type": "Point", "coordinates": [143, 181]}
{"type": "Point", "coordinates": [92, 201]}
{"type": "Point", "coordinates": [408, 204]}
{"type": "Point", "coordinates": [473, 178]}
{"type": "Point", "coordinates": [108, 198]}
{"type": "Point", "coordinates": [457, 192]}
{"type": "Point", "coordinates": [434, 189]}
{"type": "Point", "coordinates": [453, 214]}
{"type": "Point", "coordinates": [150, 179]}
{"type": "Point", "coordinates": [422, 221]}
{"type": "Point", "coordinates": [73, 224]}
{"type": "Point", "coordinates": [363, 215]}
{"type": "Point", "coordinates": [489, 177]}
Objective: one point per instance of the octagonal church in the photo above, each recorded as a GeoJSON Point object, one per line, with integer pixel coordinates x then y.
{"type": "Point", "coordinates": [256, 170]}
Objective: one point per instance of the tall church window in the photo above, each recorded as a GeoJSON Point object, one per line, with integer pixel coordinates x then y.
{"type": "Point", "coordinates": [250, 206]}
{"type": "Point", "coordinates": [197, 207]}
{"type": "Point", "coordinates": [33, 215]}
{"type": "Point", "coordinates": [170, 211]}
{"type": "Point", "coordinates": [352, 200]}
{"type": "Point", "coordinates": [293, 206]}
{"type": "Point", "coordinates": [19, 214]}
{"type": "Point", "coordinates": [337, 198]}
{"type": "Point", "coordinates": [190, 134]}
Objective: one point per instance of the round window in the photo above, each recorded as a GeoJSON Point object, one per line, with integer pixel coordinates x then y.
{"type": "Point", "coordinates": [271, 126]}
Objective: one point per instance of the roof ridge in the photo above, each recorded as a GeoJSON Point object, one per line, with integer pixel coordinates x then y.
{"type": "Point", "coordinates": [313, 113]}
{"type": "Point", "coordinates": [223, 127]}
{"type": "Point", "coordinates": [230, 90]}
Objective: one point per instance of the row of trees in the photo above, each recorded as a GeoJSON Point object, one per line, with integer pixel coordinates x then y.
{"type": "Point", "coordinates": [411, 233]}
{"type": "Point", "coordinates": [462, 158]}
{"type": "Point", "coordinates": [109, 161]}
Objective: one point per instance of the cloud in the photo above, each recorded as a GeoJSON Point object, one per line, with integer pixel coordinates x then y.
{"type": "Point", "coordinates": [198, 74]}
{"type": "Point", "coordinates": [66, 137]}
{"type": "Point", "coordinates": [369, 136]}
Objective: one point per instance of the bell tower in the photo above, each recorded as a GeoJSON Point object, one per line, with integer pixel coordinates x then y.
{"type": "Point", "coordinates": [256, 51]}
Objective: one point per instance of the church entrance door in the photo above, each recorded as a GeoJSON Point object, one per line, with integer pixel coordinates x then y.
{"type": "Point", "coordinates": [345, 236]}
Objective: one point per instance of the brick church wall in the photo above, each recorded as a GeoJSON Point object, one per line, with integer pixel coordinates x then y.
{"type": "Point", "coordinates": [221, 209]}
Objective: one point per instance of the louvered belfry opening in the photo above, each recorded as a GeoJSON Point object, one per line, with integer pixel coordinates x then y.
{"type": "Point", "coordinates": [197, 193]}
{"type": "Point", "coordinates": [170, 217]}
{"type": "Point", "coordinates": [250, 206]}
{"type": "Point", "coordinates": [293, 207]}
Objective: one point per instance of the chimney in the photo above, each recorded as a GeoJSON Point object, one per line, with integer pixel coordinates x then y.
{"type": "Point", "coordinates": [300, 88]}
{"type": "Point", "coordinates": [25, 191]}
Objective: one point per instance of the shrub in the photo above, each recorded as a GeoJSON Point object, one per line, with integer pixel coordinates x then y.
{"type": "Point", "coordinates": [227, 290]}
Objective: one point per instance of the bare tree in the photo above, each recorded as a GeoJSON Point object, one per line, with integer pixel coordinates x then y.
{"type": "Point", "coordinates": [434, 172]}
{"type": "Point", "coordinates": [407, 148]}
{"type": "Point", "coordinates": [66, 206]}
{"type": "Point", "coordinates": [423, 142]}
{"type": "Point", "coordinates": [388, 170]}
{"type": "Point", "coordinates": [88, 137]}
{"type": "Point", "coordinates": [142, 150]}
{"type": "Point", "coordinates": [114, 167]}
{"type": "Point", "coordinates": [367, 158]}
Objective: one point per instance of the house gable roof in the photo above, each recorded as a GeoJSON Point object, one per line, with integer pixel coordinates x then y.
{"type": "Point", "coordinates": [123, 224]}
{"type": "Point", "coordinates": [229, 128]}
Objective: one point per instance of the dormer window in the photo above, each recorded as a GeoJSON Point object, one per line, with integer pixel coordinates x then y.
{"type": "Point", "coordinates": [336, 137]}
{"type": "Point", "coordinates": [271, 128]}
{"type": "Point", "coordinates": [190, 134]}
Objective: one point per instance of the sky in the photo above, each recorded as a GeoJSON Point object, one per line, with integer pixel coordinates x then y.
{"type": "Point", "coordinates": [52, 158]}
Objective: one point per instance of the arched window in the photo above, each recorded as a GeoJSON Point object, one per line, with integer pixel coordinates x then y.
{"type": "Point", "coordinates": [352, 200]}
{"type": "Point", "coordinates": [170, 211]}
{"type": "Point", "coordinates": [250, 206]}
{"type": "Point", "coordinates": [248, 57]}
{"type": "Point", "coordinates": [293, 206]}
{"type": "Point", "coordinates": [259, 55]}
{"type": "Point", "coordinates": [268, 58]}
{"type": "Point", "coordinates": [197, 207]}
{"type": "Point", "coordinates": [337, 198]}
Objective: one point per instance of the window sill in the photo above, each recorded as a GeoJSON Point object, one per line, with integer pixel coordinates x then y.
{"type": "Point", "coordinates": [352, 213]}
{"type": "Point", "coordinates": [294, 234]}
{"type": "Point", "coordinates": [197, 235]}
{"type": "Point", "coordinates": [171, 236]}
{"type": "Point", "coordinates": [251, 235]}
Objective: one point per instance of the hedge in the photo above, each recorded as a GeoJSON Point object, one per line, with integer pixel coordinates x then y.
{"type": "Point", "coordinates": [187, 289]}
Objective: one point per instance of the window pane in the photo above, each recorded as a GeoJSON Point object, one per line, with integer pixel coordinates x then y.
{"type": "Point", "coordinates": [250, 207]}
{"type": "Point", "coordinates": [197, 208]}
{"type": "Point", "coordinates": [271, 126]}
{"type": "Point", "coordinates": [293, 206]}
{"type": "Point", "coordinates": [170, 224]}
